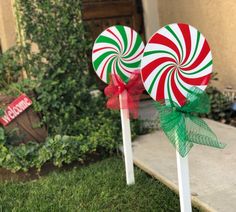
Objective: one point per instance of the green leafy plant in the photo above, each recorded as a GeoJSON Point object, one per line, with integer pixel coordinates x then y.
{"type": "Point", "coordinates": [12, 66]}
{"type": "Point", "coordinates": [61, 64]}
{"type": "Point", "coordinates": [58, 149]}
{"type": "Point", "coordinates": [220, 104]}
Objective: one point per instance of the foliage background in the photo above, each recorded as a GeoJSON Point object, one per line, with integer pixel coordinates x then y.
{"type": "Point", "coordinates": [53, 52]}
{"type": "Point", "coordinates": [60, 64]}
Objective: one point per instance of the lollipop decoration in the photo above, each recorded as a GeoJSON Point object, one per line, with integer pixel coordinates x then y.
{"type": "Point", "coordinates": [116, 58]}
{"type": "Point", "coordinates": [175, 69]}
{"type": "Point", "coordinates": [176, 58]}
{"type": "Point", "coordinates": [117, 50]}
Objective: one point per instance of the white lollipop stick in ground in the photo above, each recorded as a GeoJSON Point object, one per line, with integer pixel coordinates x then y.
{"type": "Point", "coordinates": [176, 58]}
{"type": "Point", "coordinates": [183, 181]}
{"type": "Point", "coordinates": [127, 145]}
{"type": "Point", "coordinates": [118, 50]}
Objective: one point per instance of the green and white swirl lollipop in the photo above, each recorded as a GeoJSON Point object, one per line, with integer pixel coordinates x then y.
{"type": "Point", "coordinates": [117, 50]}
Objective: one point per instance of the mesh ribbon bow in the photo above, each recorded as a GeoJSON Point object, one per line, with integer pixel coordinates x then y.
{"type": "Point", "coordinates": [134, 88]}
{"type": "Point", "coordinates": [181, 125]}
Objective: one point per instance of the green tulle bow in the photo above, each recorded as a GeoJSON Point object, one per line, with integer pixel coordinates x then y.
{"type": "Point", "coordinates": [181, 124]}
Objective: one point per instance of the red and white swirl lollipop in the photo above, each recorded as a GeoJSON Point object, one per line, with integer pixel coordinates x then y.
{"type": "Point", "coordinates": [176, 58]}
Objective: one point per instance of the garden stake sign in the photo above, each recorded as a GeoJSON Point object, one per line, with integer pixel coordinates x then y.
{"type": "Point", "coordinates": [18, 106]}
{"type": "Point", "coordinates": [175, 69]}
{"type": "Point", "coordinates": [116, 57]}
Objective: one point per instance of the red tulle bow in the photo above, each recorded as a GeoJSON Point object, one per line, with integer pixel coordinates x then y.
{"type": "Point", "coordinates": [131, 93]}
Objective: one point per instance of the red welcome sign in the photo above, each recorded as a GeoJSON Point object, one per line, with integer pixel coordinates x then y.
{"type": "Point", "coordinates": [13, 110]}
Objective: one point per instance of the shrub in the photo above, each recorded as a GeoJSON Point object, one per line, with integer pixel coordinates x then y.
{"type": "Point", "coordinates": [61, 64]}
{"type": "Point", "coordinates": [102, 138]}
{"type": "Point", "coordinates": [220, 105]}
{"type": "Point", "coordinates": [220, 108]}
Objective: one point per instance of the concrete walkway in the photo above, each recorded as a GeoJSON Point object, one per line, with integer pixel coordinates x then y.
{"type": "Point", "coordinates": [212, 171]}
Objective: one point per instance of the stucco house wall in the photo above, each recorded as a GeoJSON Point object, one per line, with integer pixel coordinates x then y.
{"type": "Point", "coordinates": [7, 24]}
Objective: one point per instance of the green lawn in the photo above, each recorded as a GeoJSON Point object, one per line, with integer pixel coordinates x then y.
{"type": "Point", "coordinates": [98, 187]}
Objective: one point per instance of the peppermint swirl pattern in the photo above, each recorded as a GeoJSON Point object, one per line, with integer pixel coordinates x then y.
{"type": "Point", "coordinates": [117, 50]}
{"type": "Point", "coordinates": [176, 58]}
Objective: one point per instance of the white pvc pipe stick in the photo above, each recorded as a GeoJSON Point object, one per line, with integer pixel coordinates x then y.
{"type": "Point", "coordinates": [183, 179]}
{"type": "Point", "coordinates": [126, 133]}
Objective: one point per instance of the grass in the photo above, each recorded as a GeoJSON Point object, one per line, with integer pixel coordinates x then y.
{"type": "Point", "coordinates": [97, 187]}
